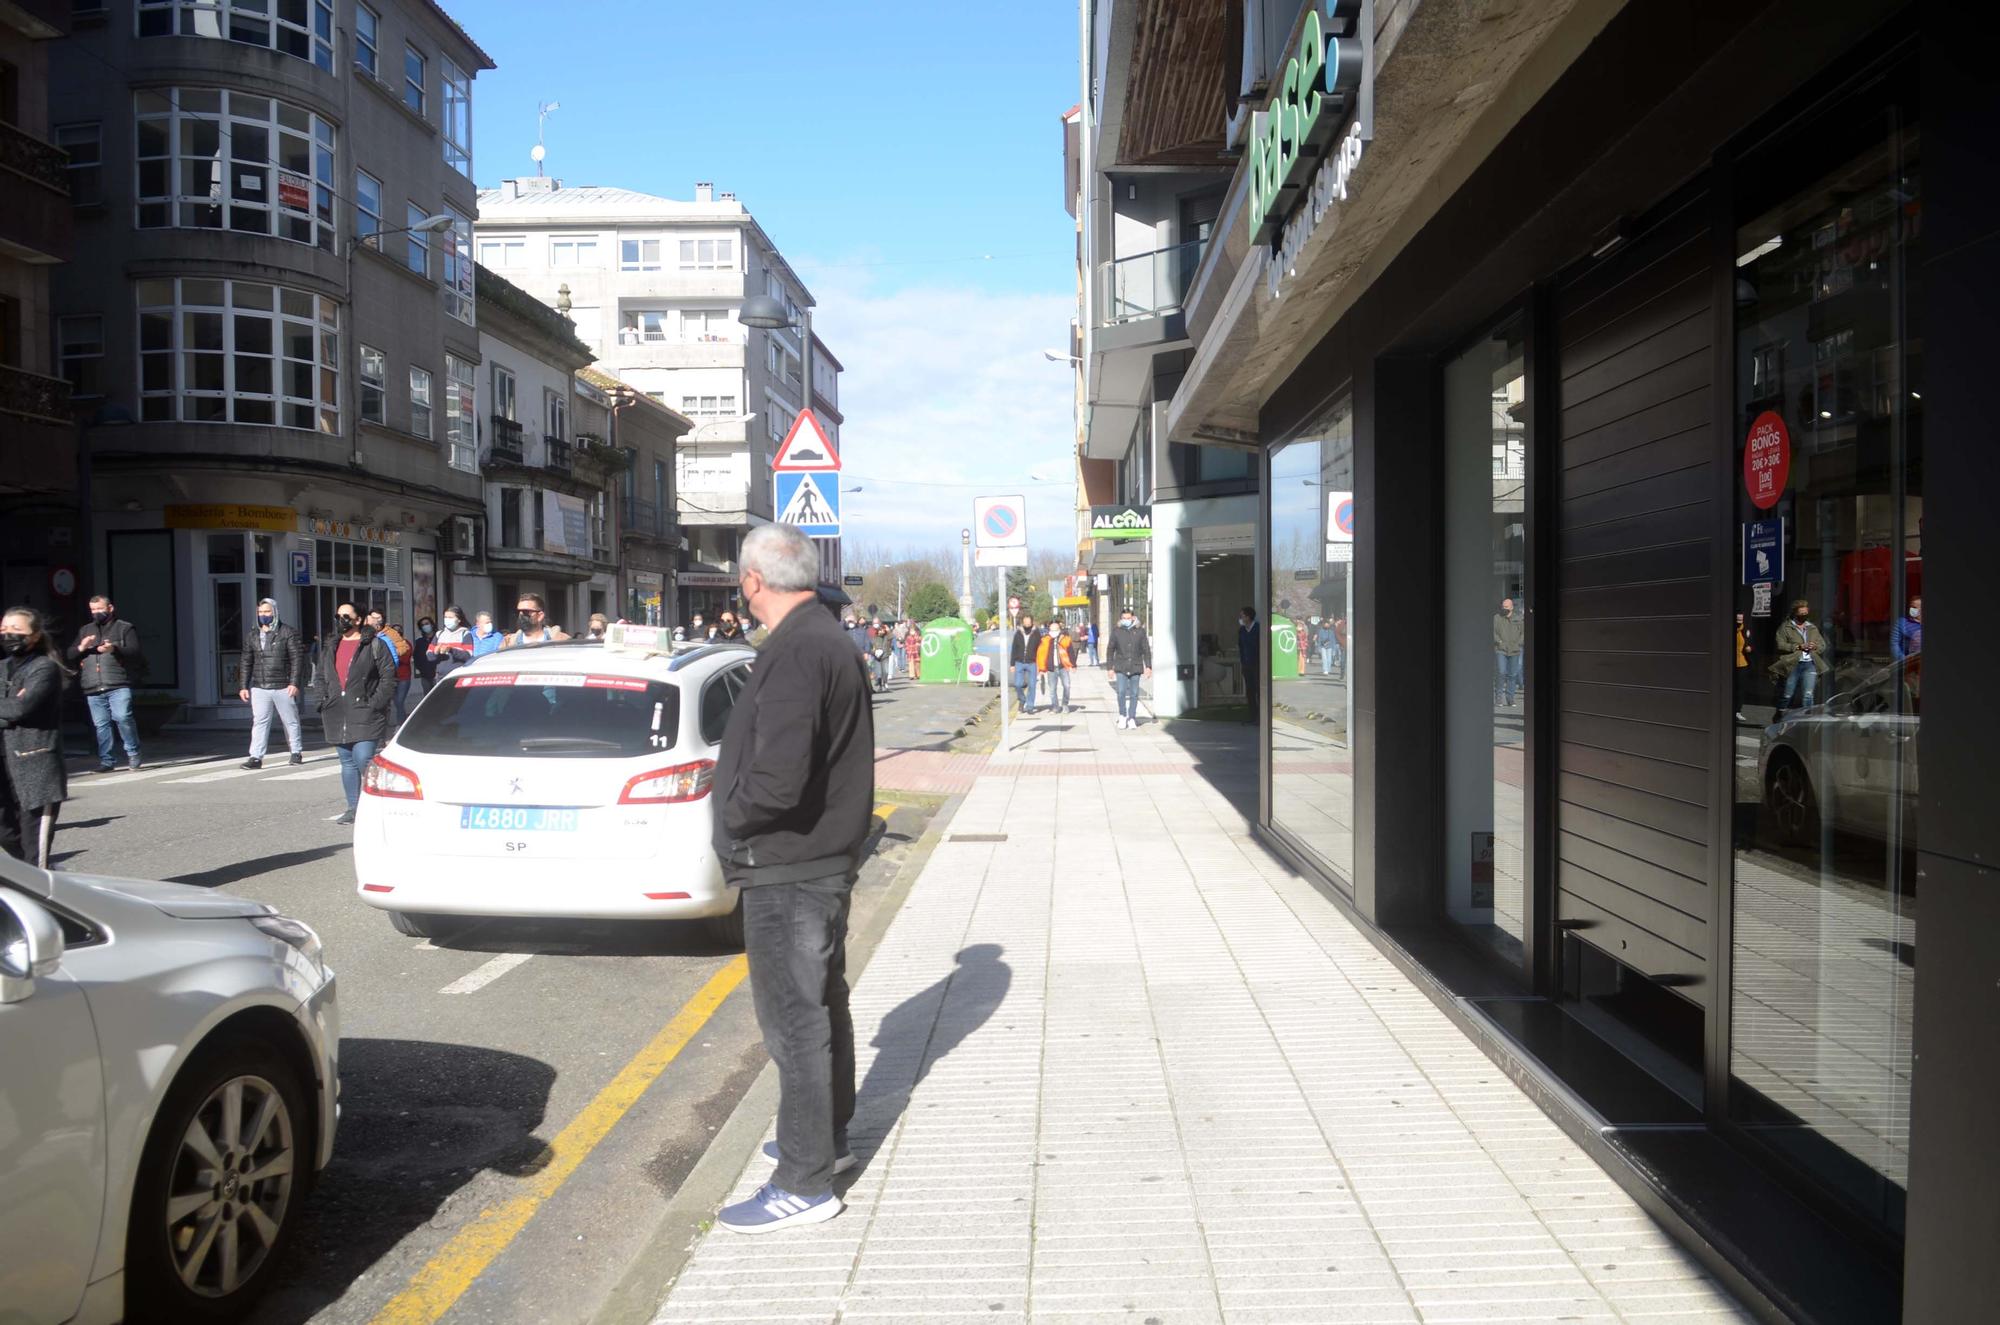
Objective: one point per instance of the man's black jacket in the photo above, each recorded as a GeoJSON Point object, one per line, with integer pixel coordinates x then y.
{"type": "Point", "coordinates": [795, 781]}
{"type": "Point", "coordinates": [277, 658]}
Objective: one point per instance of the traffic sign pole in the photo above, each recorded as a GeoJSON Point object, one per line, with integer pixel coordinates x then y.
{"type": "Point", "coordinates": [1006, 650]}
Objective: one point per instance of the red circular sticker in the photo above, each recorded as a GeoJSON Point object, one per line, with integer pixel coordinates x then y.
{"type": "Point", "coordinates": [1767, 460]}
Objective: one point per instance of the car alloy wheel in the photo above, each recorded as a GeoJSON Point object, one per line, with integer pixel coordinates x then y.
{"type": "Point", "coordinates": [1792, 804]}
{"type": "Point", "coordinates": [231, 1186]}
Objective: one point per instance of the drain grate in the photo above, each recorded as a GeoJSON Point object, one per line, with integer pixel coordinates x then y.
{"type": "Point", "coordinates": [976, 837]}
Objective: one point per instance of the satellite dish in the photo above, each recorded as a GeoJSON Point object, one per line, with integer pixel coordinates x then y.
{"type": "Point", "coordinates": [537, 153]}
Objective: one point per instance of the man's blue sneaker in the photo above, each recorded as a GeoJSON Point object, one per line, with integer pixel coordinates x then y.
{"type": "Point", "coordinates": [773, 1208]}
{"type": "Point", "coordinates": [841, 1163]}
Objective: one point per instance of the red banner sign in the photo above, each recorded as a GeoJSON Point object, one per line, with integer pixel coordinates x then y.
{"type": "Point", "coordinates": [1767, 460]}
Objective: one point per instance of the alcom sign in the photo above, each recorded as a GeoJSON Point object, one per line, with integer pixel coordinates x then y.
{"type": "Point", "coordinates": [1300, 160]}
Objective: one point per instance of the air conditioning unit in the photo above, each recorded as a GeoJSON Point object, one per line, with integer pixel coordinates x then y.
{"type": "Point", "coordinates": [464, 536]}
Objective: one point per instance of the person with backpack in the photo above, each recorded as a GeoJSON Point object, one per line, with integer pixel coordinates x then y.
{"type": "Point", "coordinates": [1062, 661]}
{"type": "Point", "coordinates": [451, 647]}
{"type": "Point", "coordinates": [400, 648]}
{"type": "Point", "coordinates": [108, 661]}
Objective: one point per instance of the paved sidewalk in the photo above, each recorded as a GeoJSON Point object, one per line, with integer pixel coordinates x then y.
{"type": "Point", "coordinates": [1124, 1066]}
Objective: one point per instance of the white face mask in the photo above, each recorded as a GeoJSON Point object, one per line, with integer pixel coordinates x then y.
{"type": "Point", "coordinates": [1916, 614]}
{"type": "Point", "coordinates": [451, 623]}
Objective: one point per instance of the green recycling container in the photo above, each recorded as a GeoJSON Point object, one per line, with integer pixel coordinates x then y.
{"type": "Point", "coordinates": [1286, 660]}
{"type": "Point", "coordinates": [947, 644]}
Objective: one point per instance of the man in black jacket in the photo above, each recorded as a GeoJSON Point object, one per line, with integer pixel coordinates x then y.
{"type": "Point", "coordinates": [356, 685]}
{"type": "Point", "coordinates": [107, 656]}
{"type": "Point", "coordinates": [794, 792]}
{"type": "Point", "coordinates": [1129, 658]}
{"type": "Point", "coordinates": [275, 670]}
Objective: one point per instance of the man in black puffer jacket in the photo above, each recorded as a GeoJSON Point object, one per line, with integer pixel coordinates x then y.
{"type": "Point", "coordinates": [275, 663]}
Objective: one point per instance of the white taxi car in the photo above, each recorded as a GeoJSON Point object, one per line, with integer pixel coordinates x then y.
{"type": "Point", "coordinates": [566, 780]}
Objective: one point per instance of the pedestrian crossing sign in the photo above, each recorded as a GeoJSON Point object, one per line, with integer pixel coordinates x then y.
{"type": "Point", "coordinates": [810, 500]}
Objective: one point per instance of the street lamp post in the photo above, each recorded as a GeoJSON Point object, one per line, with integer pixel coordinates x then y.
{"type": "Point", "coordinates": [766, 313]}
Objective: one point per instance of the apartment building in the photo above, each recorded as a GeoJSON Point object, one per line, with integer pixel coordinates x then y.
{"type": "Point", "coordinates": [281, 300]}
{"type": "Point", "coordinates": [38, 475]}
{"type": "Point", "coordinates": [653, 286]}
{"type": "Point", "coordinates": [1577, 349]}
{"type": "Point", "coordinates": [645, 434]}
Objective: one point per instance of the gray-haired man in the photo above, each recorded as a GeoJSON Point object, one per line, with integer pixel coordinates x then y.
{"type": "Point", "coordinates": [274, 667]}
{"type": "Point", "coordinates": [794, 792]}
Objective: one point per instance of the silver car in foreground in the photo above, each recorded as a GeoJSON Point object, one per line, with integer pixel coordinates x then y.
{"type": "Point", "coordinates": [168, 1091]}
{"type": "Point", "coordinates": [1849, 764]}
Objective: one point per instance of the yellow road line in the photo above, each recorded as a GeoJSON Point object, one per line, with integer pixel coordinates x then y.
{"type": "Point", "coordinates": [445, 1277]}
{"type": "Point", "coordinates": [884, 810]}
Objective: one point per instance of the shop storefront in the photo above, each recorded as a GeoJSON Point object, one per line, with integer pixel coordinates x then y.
{"type": "Point", "coordinates": [1615, 493]}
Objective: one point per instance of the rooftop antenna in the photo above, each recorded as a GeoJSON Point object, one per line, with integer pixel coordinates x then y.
{"type": "Point", "coordinates": [539, 152]}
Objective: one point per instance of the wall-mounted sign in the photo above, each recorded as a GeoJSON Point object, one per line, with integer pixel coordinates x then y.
{"type": "Point", "coordinates": [229, 515]}
{"type": "Point", "coordinates": [1301, 161]}
{"type": "Point", "coordinates": [704, 579]}
{"type": "Point", "coordinates": [1118, 524]}
{"type": "Point", "coordinates": [1767, 460]}
{"type": "Point", "coordinates": [1340, 517]}
{"type": "Point", "coordinates": [355, 531]}
{"type": "Point", "coordinates": [302, 569]}
{"type": "Point", "coordinates": [1763, 556]}
{"type": "Point", "coordinates": [294, 191]}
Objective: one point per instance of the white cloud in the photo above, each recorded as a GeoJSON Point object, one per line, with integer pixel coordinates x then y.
{"type": "Point", "coordinates": [946, 385]}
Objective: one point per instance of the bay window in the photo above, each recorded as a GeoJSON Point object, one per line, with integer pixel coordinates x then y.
{"type": "Point", "coordinates": [301, 28]}
{"type": "Point", "coordinates": [458, 284]}
{"type": "Point", "coordinates": [460, 432]}
{"type": "Point", "coordinates": [213, 351]}
{"type": "Point", "coordinates": [457, 118]}
{"type": "Point", "coordinates": [215, 160]}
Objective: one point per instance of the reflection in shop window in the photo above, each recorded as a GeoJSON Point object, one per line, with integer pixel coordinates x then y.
{"type": "Point", "coordinates": [1825, 817]}
{"type": "Point", "coordinates": [1311, 628]}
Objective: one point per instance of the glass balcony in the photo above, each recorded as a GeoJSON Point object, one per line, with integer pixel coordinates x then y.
{"type": "Point", "coordinates": [1145, 285]}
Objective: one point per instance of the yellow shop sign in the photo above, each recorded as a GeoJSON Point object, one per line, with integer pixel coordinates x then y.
{"type": "Point", "coordinates": [229, 515]}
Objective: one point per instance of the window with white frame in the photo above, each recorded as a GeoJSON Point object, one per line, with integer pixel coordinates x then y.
{"type": "Point", "coordinates": [707, 324]}
{"type": "Point", "coordinates": [457, 126]}
{"type": "Point", "coordinates": [417, 255]}
{"type": "Point", "coordinates": [301, 28]}
{"type": "Point", "coordinates": [213, 351]}
{"type": "Point", "coordinates": [708, 254]}
{"type": "Point", "coordinates": [80, 348]}
{"type": "Point", "coordinates": [505, 395]}
{"type": "Point", "coordinates": [215, 160]}
{"type": "Point", "coordinates": [374, 386]}
{"type": "Point", "coordinates": [367, 208]}
{"type": "Point", "coordinates": [458, 280]}
{"type": "Point", "coordinates": [367, 39]}
{"type": "Point", "coordinates": [573, 250]}
{"type": "Point", "coordinates": [638, 255]}
{"type": "Point", "coordinates": [641, 326]}
{"type": "Point", "coordinates": [600, 526]}
{"type": "Point", "coordinates": [420, 402]}
{"type": "Point", "coordinates": [501, 253]}
{"type": "Point", "coordinates": [709, 407]}
{"type": "Point", "coordinates": [460, 430]}
{"type": "Point", "coordinates": [413, 79]}
{"type": "Point", "coordinates": [558, 416]}
{"type": "Point", "coordinates": [85, 145]}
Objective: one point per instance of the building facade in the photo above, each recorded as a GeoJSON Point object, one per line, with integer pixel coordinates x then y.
{"type": "Point", "coordinates": [1146, 189]}
{"type": "Point", "coordinates": [38, 474]}
{"type": "Point", "coordinates": [645, 434]}
{"type": "Point", "coordinates": [654, 286]}
{"type": "Point", "coordinates": [1596, 358]}
{"type": "Point", "coordinates": [298, 356]}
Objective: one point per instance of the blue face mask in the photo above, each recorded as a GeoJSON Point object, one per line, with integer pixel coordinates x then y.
{"type": "Point", "coordinates": [265, 618]}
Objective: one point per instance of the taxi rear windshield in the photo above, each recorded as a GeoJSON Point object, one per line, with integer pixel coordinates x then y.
{"type": "Point", "coordinates": [545, 716]}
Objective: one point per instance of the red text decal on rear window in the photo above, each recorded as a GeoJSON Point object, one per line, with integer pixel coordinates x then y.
{"type": "Point", "coordinates": [489, 679]}
{"type": "Point", "coordinates": [615, 682]}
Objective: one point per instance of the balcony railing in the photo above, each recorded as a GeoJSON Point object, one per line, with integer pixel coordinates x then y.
{"type": "Point", "coordinates": [1146, 284]}
{"type": "Point", "coordinates": [32, 396]}
{"type": "Point", "coordinates": [559, 456]}
{"type": "Point", "coordinates": [507, 439]}
{"type": "Point", "coordinates": [646, 518]}
{"type": "Point", "coordinates": [28, 155]}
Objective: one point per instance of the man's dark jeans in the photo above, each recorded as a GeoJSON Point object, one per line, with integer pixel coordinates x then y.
{"type": "Point", "coordinates": [795, 935]}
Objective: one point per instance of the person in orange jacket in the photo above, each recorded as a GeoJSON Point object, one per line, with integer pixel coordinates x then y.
{"type": "Point", "coordinates": [1061, 649]}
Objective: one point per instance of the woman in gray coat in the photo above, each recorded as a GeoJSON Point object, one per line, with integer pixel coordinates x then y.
{"type": "Point", "coordinates": [34, 785]}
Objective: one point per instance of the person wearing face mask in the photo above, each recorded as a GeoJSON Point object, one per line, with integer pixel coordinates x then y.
{"type": "Point", "coordinates": [451, 647]}
{"type": "Point", "coordinates": [531, 623]}
{"type": "Point", "coordinates": [729, 628]}
{"type": "Point", "coordinates": [598, 625]}
{"type": "Point", "coordinates": [1801, 657]}
{"type": "Point", "coordinates": [108, 660]}
{"type": "Point", "coordinates": [697, 629]}
{"type": "Point", "coordinates": [399, 649]}
{"type": "Point", "coordinates": [1130, 657]}
{"type": "Point", "coordinates": [1908, 637]}
{"type": "Point", "coordinates": [277, 671]}
{"type": "Point", "coordinates": [33, 785]}
{"type": "Point", "coordinates": [422, 661]}
{"type": "Point", "coordinates": [356, 687]}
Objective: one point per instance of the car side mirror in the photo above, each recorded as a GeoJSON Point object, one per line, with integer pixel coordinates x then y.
{"type": "Point", "coordinates": [31, 945]}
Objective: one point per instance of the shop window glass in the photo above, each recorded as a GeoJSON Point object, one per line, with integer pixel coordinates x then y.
{"type": "Point", "coordinates": [1829, 655]}
{"type": "Point", "coordinates": [1309, 629]}
{"type": "Point", "coordinates": [1485, 663]}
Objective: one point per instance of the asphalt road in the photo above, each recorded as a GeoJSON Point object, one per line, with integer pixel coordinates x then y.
{"type": "Point", "coordinates": [462, 1058]}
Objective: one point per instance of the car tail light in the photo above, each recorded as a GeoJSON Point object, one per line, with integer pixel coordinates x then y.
{"type": "Point", "coordinates": [383, 778]}
{"type": "Point", "coordinates": [665, 897]}
{"type": "Point", "coordinates": [670, 786]}
{"type": "Point", "coordinates": [378, 887]}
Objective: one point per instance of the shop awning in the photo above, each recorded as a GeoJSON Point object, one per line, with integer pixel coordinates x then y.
{"type": "Point", "coordinates": [1109, 558]}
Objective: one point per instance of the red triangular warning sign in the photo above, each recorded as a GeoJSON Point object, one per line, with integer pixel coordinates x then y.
{"type": "Point", "coordinates": [806, 448]}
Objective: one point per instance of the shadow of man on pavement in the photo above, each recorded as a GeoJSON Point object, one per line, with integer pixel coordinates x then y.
{"type": "Point", "coordinates": [915, 1034]}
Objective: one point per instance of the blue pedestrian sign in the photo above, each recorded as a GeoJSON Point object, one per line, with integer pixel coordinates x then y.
{"type": "Point", "coordinates": [1764, 551]}
{"type": "Point", "coordinates": [809, 499]}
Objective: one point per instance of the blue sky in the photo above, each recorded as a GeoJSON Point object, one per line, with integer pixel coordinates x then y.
{"type": "Point", "coordinates": [906, 157]}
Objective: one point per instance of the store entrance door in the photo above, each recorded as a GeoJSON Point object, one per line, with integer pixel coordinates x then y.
{"type": "Point", "coordinates": [237, 573]}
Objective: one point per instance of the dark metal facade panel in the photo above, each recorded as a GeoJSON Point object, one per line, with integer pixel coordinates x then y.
{"type": "Point", "coordinates": [1635, 787]}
